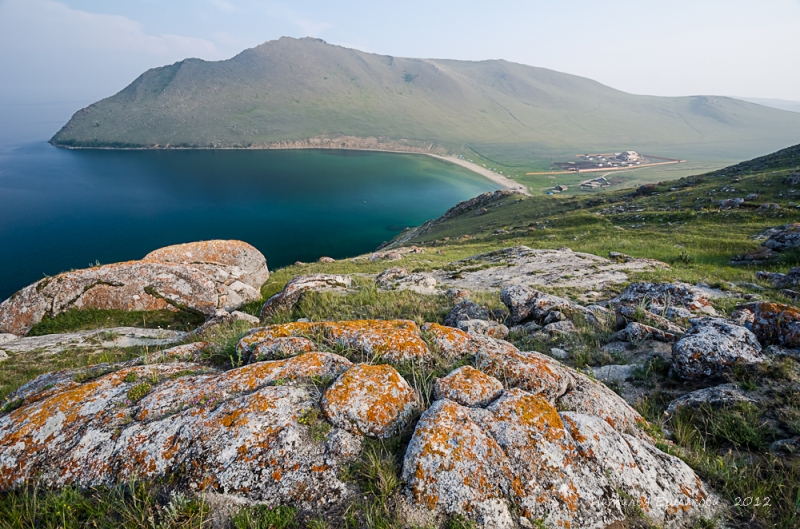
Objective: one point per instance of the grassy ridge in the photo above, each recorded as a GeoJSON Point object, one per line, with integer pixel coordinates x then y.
{"type": "Point", "coordinates": [513, 115]}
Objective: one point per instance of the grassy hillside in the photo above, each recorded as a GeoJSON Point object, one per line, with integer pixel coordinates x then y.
{"type": "Point", "coordinates": [679, 222]}
{"type": "Point", "coordinates": [512, 114]}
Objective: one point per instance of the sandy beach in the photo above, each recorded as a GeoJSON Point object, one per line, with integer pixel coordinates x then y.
{"type": "Point", "coordinates": [491, 175]}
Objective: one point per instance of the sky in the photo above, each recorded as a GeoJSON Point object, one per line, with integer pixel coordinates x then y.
{"type": "Point", "coordinates": [57, 56]}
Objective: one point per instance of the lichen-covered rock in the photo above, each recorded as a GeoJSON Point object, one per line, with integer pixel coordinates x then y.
{"type": "Point", "coordinates": [560, 328]}
{"type": "Point", "coordinates": [529, 304]}
{"type": "Point", "coordinates": [53, 344]}
{"type": "Point", "coordinates": [715, 397]}
{"type": "Point", "coordinates": [454, 466]}
{"type": "Point", "coordinates": [238, 259]}
{"type": "Point", "coordinates": [638, 332]}
{"type": "Point", "coordinates": [372, 400]}
{"type": "Point", "coordinates": [712, 347]}
{"type": "Point", "coordinates": [281, 348]}
{"type": "Point", "coordinates": [200, 287]}
{"type": "Point", "coordinates": [392, 340]}
{"type": "Point", "coordinates": [628, 313]}
{"type": "Point", "coordinates": [467, 386]}
{"type": "Point", "coordinates": [486, 328]}
{"type": "Point", "coordinates": [449, 342]}
{"type": "Point", "coordinates": [466, 310]}
{"type": "Point", "coordinates": [588, 397]}
{"type": "Point", "coordinates": [774, 323]}
{"type": "Point", "coordinates": [784, 238]}
{"type": "Point", "coordinates": [666, 490]}
{"type": "Point", "coordinates": [531, 371]}
{"type": "Point", "coordinates": [388, 278]}
{"type": "Point", "coordinates": [231, 432]}
{"type": "Point", "coordinates": [520, 454]}
{"type": "Point", "coordinates": [400, 279]}
{"type": "Point", "coordinates": [290, 295]}
{"type": "Point", "coordinates": [656, 297]}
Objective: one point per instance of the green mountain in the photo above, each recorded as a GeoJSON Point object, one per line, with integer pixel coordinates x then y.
{"type": "Point", "coordinates": [287, 92]}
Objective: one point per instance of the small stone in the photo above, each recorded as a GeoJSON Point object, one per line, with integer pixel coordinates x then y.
{"type": "Point", "coordinates": [559, 354]}
{"type": "Point", "coordinates": [326, 260]}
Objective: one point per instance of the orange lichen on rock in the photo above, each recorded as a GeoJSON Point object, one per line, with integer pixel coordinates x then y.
{"type": "Point", "coordinates": [161, 281]}
{"type": "Point", "coordinates": [449, 342]}
{"type": "Point", "coordinates": [391, 340]}
{"type": "Point", "coordinates": [372, 400]}
{"type": "Point", "coordinates": [217, 431]}
{"type": "Point", "coordinates": [468, 387]}
{"type": "Point", "coordinates": [777, 323]}
{"type": "Point", "coordinates": [453, 465]}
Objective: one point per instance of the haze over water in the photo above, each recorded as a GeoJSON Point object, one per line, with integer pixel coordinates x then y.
{"type": "Point", "coordinates": [62, 209]}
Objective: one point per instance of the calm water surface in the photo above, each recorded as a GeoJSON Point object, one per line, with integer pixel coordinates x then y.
{"type": "Point", "coordinates": [62, 209]}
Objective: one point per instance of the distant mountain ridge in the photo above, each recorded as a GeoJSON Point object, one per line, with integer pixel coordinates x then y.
{"type": "Point", "coordinates": [306, 93]}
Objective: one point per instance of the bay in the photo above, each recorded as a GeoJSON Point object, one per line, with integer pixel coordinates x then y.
{"type": "Point", "coordinates": [65, 209]}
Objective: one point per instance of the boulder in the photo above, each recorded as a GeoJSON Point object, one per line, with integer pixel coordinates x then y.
{"type": "Point", "coordinates": [762, 253]}
{"type": "Point", "coordinates": [774, 323]}
{"type": "Point", "coordinates": [539, 268]}
{"type": "Point", "coordinates": [372, 400]}
{"type": "Point", "coordinates": [326, 260]}
{"type": "Point", "coordinates": [784, 238]}
{"type": "Point", "coordinates": [560, 328]}
{"type": "Point", "coordinates": [571, 469]}
{"type": "Point", "coordinates": [467, 386]}
{"type": "Point", "coordinates": [712, 347]}
{"type": "Point", "coordinates": [53, 344]}
{"type": "Point", "coordinates": [486, 328]}
{"type": "Point", "coordinates": [238, 259]}
{"type": "Point", "coordinates": [296, 287]}
{"type": "Point", "coordinates": [388, 278]}
{"type": "Point", "coordinates": [233, 433]}
{"type": "Point", "coordinates": [6, 338]}
{"type": "Point", "coordinates": [656, 297]}
{"type": "Point", "coordinates": [420, 283]}
{"type": "Point", "coordinates": [638, 332]}
{"type": "Point", "coordinates": [787, 280]}
{"type": "Point", "coordinates": [528, 304]}
{"type": "Point", "coordinates": [466, 310]}
{"type": "Point", "coordinates": [629, 313]}
{"type": "Point", "coordinates": [219, 280]}
{"type": "Point", "coordinates": [715, 397]}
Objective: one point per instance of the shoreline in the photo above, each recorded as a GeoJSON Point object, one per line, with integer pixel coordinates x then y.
{"type": "Point", "coordinates": [504, 181]}
{"type": "Point", "coordinates": [501, 180]}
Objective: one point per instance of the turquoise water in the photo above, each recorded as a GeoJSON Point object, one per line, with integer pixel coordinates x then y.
{"type": "Point", "coordinates": [62, 209]}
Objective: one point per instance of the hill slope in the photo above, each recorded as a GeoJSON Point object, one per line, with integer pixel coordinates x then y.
{"type": "Point", "coordinates": [292, 90]}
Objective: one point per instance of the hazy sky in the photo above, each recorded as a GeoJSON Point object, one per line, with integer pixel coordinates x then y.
{"type": "Point", "coordinates": [66, 53]}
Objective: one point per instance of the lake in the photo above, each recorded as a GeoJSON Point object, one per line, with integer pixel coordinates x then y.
{"type": "Point", "coordinates": [64, 209]}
